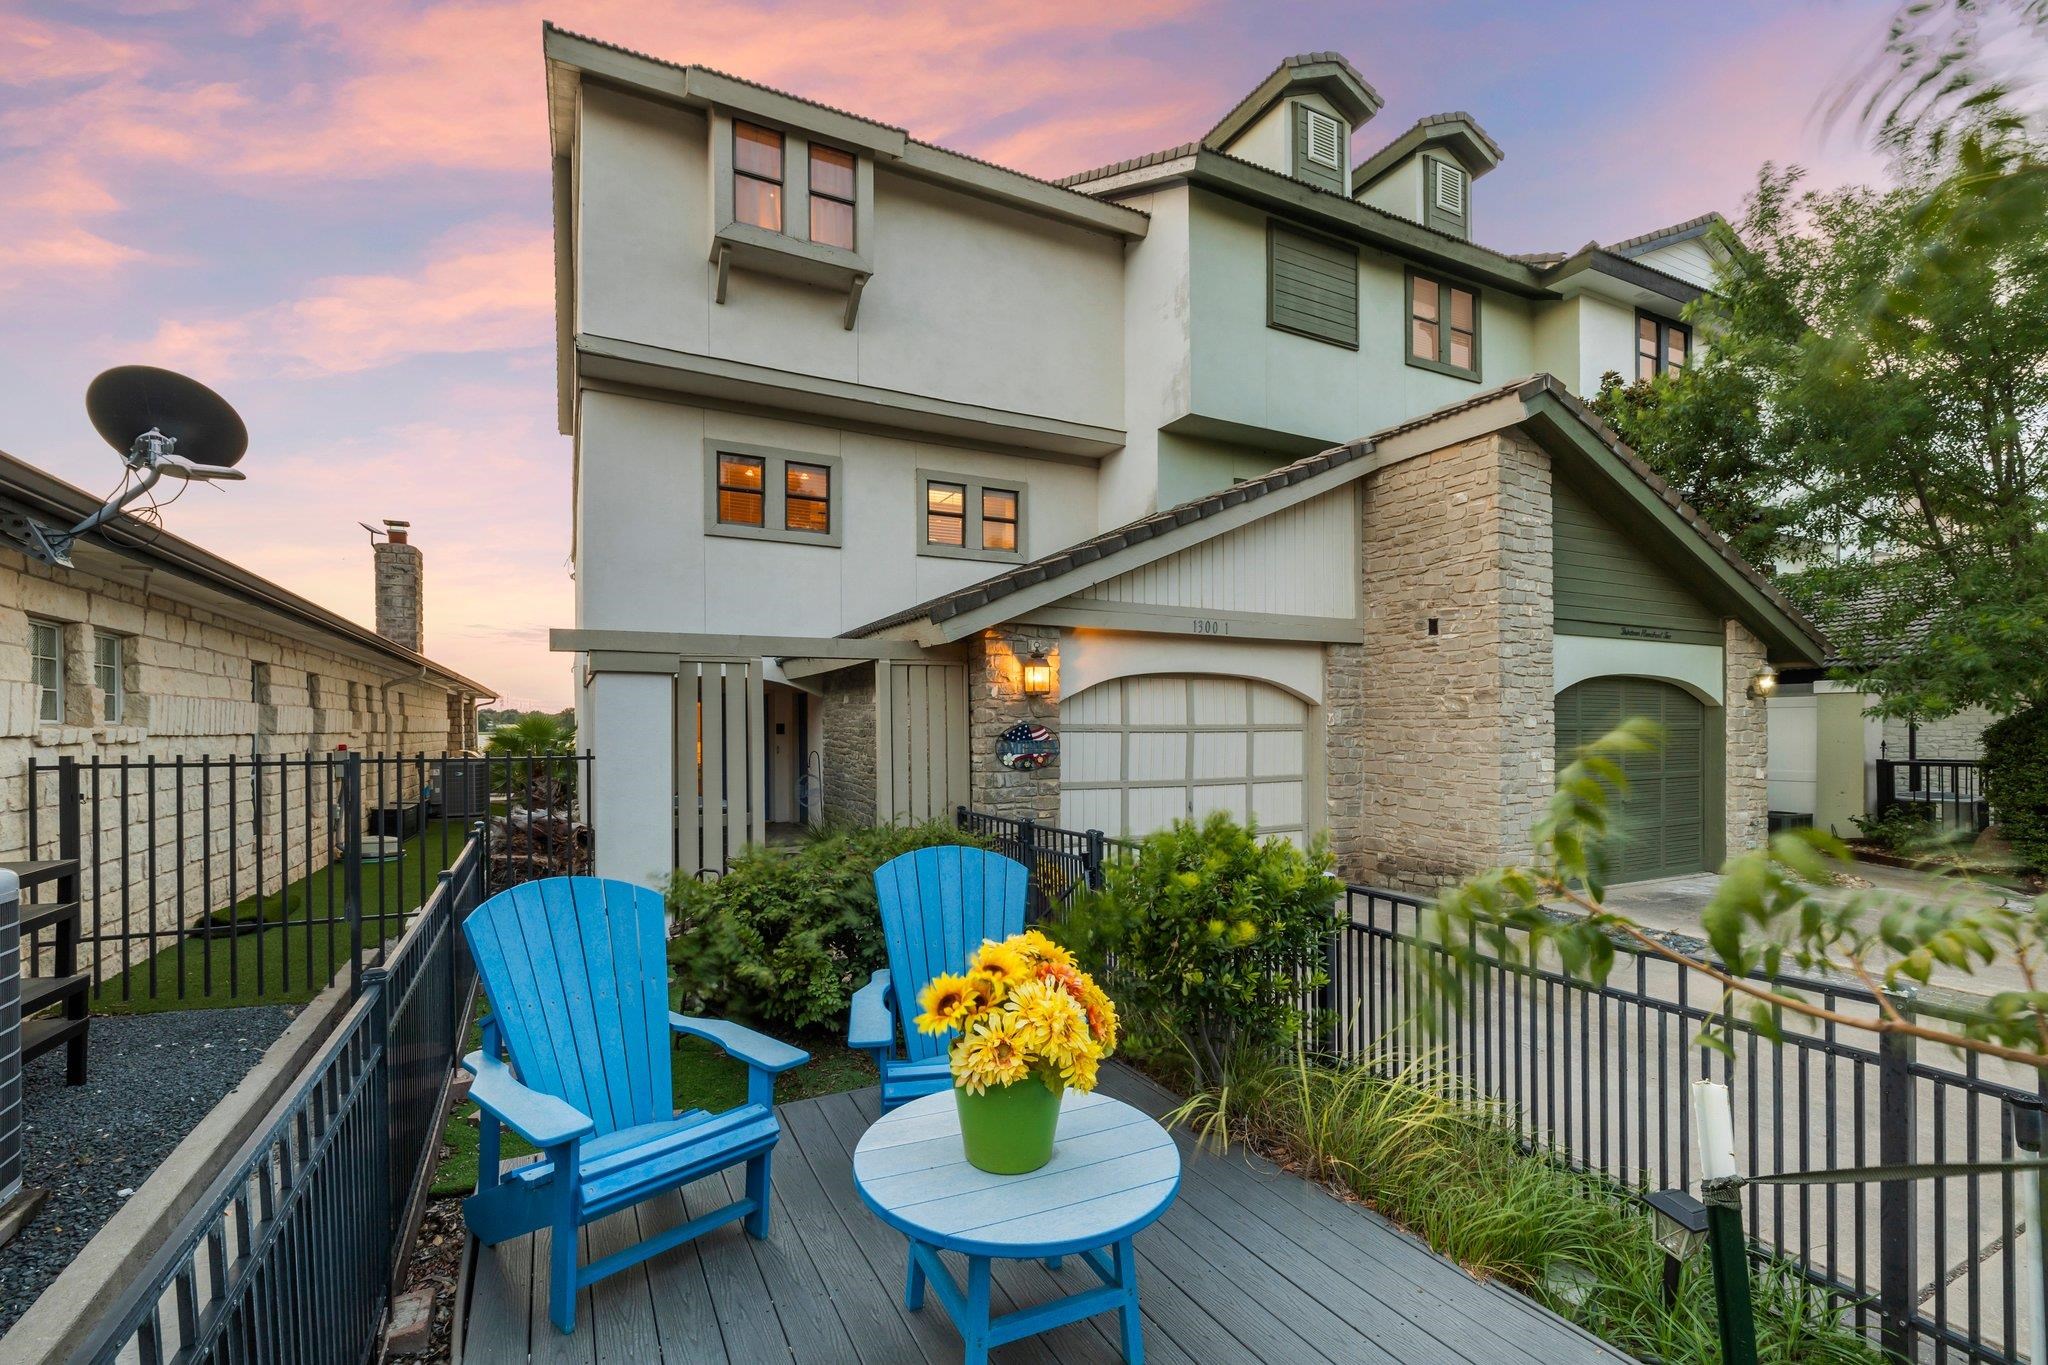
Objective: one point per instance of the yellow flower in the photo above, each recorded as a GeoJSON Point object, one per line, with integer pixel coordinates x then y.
{"type": "Point", "coordinates": [992, 1053]}
{"type": "Point", "coordinates": [1054, 1021]}
{"type": "Point", "coordinates": [946, 1003]}
{"type": "Point", "coordinates": [1002, 963]}
{"type": "Point", "coordinates": [1101, 1016]}
{"type": "Point", "coordinates": [984, 993]}
{"type": "Point", "coordinates": [1042, 949]}
{"type": "Point", "coordinates": [1078, 1068]}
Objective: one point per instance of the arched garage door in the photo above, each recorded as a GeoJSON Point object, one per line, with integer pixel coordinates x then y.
{"type": "Point", "coordinates": [1139, 753]}
{"type": "Point", "coordinates": [1662, 827]}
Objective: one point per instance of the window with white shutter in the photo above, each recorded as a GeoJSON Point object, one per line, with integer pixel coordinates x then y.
{"type": "Point", "coordinates": [1325, 140]}
{"type": "Point", "coordinates": [1450, 189]}
{"type": "Point", "coordinates": [1446, 197]}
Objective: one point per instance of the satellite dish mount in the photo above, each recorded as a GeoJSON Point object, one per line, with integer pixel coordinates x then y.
{"type": "Point", "coordinates": [146, 414]}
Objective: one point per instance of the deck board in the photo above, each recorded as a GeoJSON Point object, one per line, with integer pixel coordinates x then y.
{"type": "Point", "coordinates": [1249, 1264]}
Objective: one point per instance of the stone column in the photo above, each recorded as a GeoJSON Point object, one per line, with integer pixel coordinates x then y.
{"type": "Point", "coordinates": [1745, 761]}
{"type": "Point", "coordinates": [995, 702]}
{"type": "Point", "coordinates": [1454, 716]}
{"type": "Point", "coordinates": [401, 589]}
{"type": "Point", "coordinates": [846, 716]}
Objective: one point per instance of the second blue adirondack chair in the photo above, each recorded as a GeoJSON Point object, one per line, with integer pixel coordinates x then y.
{"type": "Point", "coordinates": [938, 904]}
{"type": "Point", "coordinates": [576, 971]}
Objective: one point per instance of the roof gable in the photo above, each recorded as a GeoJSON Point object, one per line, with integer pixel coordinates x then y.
{"type": "Point", "coordinates": [1457, 134]}
{"type": "Point", "coordinates": [1326, 73]}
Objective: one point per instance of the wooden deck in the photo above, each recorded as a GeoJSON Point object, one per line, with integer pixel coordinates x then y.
{"type": "Point", "coordinates": [1250, 1264]}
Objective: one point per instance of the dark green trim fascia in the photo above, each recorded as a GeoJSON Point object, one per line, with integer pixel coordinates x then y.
{"type": "Point", "coordinates": [1621, 490]}
{"type": "Point", "coordinates": [1343, 217]}
{"type": "Point", "coordinates": [1465, 141]}
{"type": "Point", "coordinates": [1439, 364]}
{"type": "Point", "coordinates": [1601, 261]}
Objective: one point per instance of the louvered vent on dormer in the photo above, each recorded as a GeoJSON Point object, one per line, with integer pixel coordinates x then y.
{"type": "Point", "coordinates": [1325, 139]}
{"type": "Point", "coordinates": [1450, 189]}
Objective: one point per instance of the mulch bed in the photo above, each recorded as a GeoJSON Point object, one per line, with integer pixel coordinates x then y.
{"type": "Point", "coordinates": [437, 1261]}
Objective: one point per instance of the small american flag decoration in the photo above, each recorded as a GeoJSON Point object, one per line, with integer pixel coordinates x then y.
{"type": "Point", "coordinates": [1026, 747]}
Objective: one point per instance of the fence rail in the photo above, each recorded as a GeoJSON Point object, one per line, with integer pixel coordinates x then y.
{"type": "Point", "coordinates": [1599, 1075]}
{"type": "Point", "coordinates": [1062, 861]}
{"type": "Point", "coordinates": [294, 1249]}
{"type": "Point", "coordinates": [243, 878]}
{"type": "Point", "coordinates": [1948, 792]}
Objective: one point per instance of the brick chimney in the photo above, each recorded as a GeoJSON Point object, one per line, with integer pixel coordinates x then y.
{"type": "Point", "coordinates": [401, 595]}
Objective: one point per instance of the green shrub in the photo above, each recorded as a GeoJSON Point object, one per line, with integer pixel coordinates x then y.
{"type": "Point", "coordinates": [2016, 782]}
{"type": "Point", "coordinates": [787, 935]}
{"type": "Point", "coordinates": [1207, 939]}
{"type": "Point", "coordinates": [1905, 828]}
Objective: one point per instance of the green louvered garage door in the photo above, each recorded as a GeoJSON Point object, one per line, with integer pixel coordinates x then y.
{"type": "Point", "coordinates": [1661, 832]}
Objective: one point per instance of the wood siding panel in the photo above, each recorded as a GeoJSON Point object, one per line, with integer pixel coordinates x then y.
{"type": "Point", "coordinates": [1605, 585]}
{"type": "Point", "coordinates": [925, 769]}
{"type": "Point", "coordinates": [1312, 286]}
{"type": "Point", "coordinates": [1294, 563]}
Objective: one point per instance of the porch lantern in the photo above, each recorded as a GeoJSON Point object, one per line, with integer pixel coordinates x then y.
{"type": "Point", "coordinates": [1764, 683]}
{"type": "Point", "coordinates": [1681, 1232]}
{"type": "Point", "coordinates": [1037, 673]}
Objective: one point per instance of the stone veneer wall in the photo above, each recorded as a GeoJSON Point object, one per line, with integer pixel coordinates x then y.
{"type": "Point", "coordinates": [995, 702]}
{"type": "Point", "coordinates": [1745, 758]}
{"type": "Point", "coordinates": [1452, 733]}
{"type": "Point", "coordinates": [1957, 736]}
{"type": "Point", "coordinates": [195, 685]}
{"type": "Point", "coordinates": [846, 715]}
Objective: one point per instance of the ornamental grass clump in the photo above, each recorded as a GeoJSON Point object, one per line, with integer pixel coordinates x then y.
{"type": "Point", "coordinates": [1022, 1010]}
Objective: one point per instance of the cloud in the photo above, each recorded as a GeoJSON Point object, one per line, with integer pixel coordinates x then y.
{"type": "Point", "coordinates": [47, 217]}
{"type": "Point", "coordinates": [484, 287]}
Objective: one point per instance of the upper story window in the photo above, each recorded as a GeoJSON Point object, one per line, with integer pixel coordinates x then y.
{"type": "Point", "coordinates": [832, 196]}
{"type": "Point", "coordinates": [760, 493]}
{"type": "Point", "coordinates": [1443, 326]}
{"type": "Point", "coordinates": [757, 176]}
{"type": "Point", "coordinates": [1446, 197]}
{"type": "Point", "coordinates": [1321, 147]}
{"type": "Point", "coordinates": [1662, 345]}
{"type": "Point", "coordinates": [968, 516]}
{"type": "Point", "coordinates": [46, 669]}
{"type": "Point", "coordinates": [107, 675]}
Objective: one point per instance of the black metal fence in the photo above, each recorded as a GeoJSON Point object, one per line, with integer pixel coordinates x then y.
{"type": "Point", "coordinates": [1062, 861]}
{"type": "Point", "coordinates": [293, 1251]}
{"type": "Point", "coordinates": [243, 878]}
{"type": "Point", "coordinates": [1600, 1075]}
{"type": "Point", "coordinates": [1947, 792]}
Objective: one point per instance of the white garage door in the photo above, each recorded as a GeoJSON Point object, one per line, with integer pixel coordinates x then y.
{"type": "Point", "coordinates": [1139, 753]}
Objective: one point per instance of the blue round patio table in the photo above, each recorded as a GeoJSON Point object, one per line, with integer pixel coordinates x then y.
{"type": "Point", "coordinates": [1113, 1171]}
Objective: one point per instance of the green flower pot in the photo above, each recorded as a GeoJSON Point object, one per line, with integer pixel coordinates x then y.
{"type": "Point", "coordinates": [1008, 1130]}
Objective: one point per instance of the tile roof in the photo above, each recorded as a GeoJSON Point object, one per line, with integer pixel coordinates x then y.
{"type": "Point", "coordinates": [1134, 163]}
{"type": "Point", "coordinates": [1300, 59]}
{"type": "Point", "coordinates": [1061, 562]}
{"type": "Point", "coordinates": [1624, 247]}
{"type": "Point", "coordinates": [1428, 121]}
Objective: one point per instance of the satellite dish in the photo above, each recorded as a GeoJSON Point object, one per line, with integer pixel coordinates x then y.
{"type": "Point", "coordinates": [129, 401]}
{"type": "Point", "coordinates": [163, 423]}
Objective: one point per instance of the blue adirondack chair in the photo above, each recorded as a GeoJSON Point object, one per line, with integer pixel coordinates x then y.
{"type": "Point", "coordinates": [576, 970]}
{"type": "Point", "coordinates": [938, 904]}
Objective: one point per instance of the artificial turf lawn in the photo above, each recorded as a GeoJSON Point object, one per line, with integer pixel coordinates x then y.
{"type": "Point", "coordinates": [293, 962]}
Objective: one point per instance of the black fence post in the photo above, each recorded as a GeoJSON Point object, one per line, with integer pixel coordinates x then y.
{"type": "Point", "coordinates": [1887, 786]}
{"type": "Point", "coordinates": [352, 865]}
{"type": "Point", "coordinates": [1897, 1269]}
{"type": "Point", "coordinates": [1097, 851]}
{"type": "Point", "coordinates": [70, 848]}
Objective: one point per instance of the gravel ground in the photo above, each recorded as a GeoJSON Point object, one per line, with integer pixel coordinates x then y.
{"type": "Point", "coordinates": [153, 1077]}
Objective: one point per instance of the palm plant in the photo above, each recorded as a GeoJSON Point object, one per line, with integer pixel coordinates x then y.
{"type": "Point", "coordinates": [534, 737]}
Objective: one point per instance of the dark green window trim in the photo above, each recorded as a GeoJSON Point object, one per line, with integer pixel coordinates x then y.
{"type": "Point", "coordinates": [1663, 329]}
{"type": "Point", "coordinates": [1441, 361]}
{"type": "Point", "coordinates": [1318, 173]}
{"type": "Point", "coordinates": [1434, 215]}
{"type": "Point", "coordinates": [1311, 285]}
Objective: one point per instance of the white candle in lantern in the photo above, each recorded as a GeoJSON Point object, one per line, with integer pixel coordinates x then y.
{"type": "Point", "coordinates": [1714, 1122]}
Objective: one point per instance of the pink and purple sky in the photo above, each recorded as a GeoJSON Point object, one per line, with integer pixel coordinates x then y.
{"type": "Point", "coordinates": [337, 213]}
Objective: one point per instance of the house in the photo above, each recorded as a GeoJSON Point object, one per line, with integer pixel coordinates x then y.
{"type": "Point", "coordinates": [1235, 476]}
{"type": "Point", "coordinates": [151, 652]}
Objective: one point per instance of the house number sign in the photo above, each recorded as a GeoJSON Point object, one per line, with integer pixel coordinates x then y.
{"type": "Point", "coordinates": [1027, 747]}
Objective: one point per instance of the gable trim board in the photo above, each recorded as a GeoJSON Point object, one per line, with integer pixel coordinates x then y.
{"type": "Point", "coordinates": [1327, 73]}
{"type": "Point", "coordinates": [1457, 134]}
{"type": "Point", "coordinates": [1616, 482]}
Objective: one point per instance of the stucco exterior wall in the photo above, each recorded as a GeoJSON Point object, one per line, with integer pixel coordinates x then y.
{"type": "Point", "coordinates": [196, 685]}
{"type": "Point", "coordinates": [995, 702]}
{"type": "Point", "coordinates": [969, 301]}
{"type": "Point", "coordinates": [1454, 730]}
{"type": "Point", "coordinates": [647, 562]}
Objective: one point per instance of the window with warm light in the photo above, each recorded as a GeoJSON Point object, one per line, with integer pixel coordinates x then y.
{"type": "Point", "coordinates": [969, 516]}
{"type": "Point", "coordinates": [1443, 326]}
{"type": "Point", "coordinates": [1662, 346]}
{"type": "Point", "coordinates": [760, 493]}
{"type": "Point", "coordinates": [807, 498]}
{"type": "Point", "coordinates": [742, 495]}
{"type": "Point", "coordinates": [832, 194]}
{"type": "Point", "coordinates": [757, 176]}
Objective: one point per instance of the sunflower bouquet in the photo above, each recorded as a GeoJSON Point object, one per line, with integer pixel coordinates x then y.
{"type": "Point", "coordinates": [1023, 1009]}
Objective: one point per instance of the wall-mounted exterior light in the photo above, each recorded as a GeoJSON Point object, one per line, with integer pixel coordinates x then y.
{"type": "Point", "coordinates": [1765, 683]}
{"type": "Point", "coordinates": [1037, 674]}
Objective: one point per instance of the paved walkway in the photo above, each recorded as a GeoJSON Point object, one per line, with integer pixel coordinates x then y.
{"type": "Point", "coordinates": [1250, 1264]}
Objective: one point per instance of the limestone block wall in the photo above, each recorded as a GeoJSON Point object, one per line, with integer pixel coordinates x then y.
{"type": "Point", "coordinates": [1453, 722]}
{"type": "Point", "coordinates": [1957, 736]}
{"type": "Point", "coordinates": [1745, 751]}
{"type": "Point", "coordinates": [847, 719]}
{"type": "Point", "coordinates": [196, 686]}
{"type": "Point", "coordinates": [995, 702]}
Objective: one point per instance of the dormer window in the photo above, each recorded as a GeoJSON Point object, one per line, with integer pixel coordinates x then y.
{"type": "Point", "coordinates": [1446, 197]}
{"type": "Point", "coordinates": [757, 176]}
{"type": "Point", "coordinates": [1320, 147]}
{"type": "Point", "coordinates": [1450, 190]}
{"type": "Point", "coordinates": [1325, 140]}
